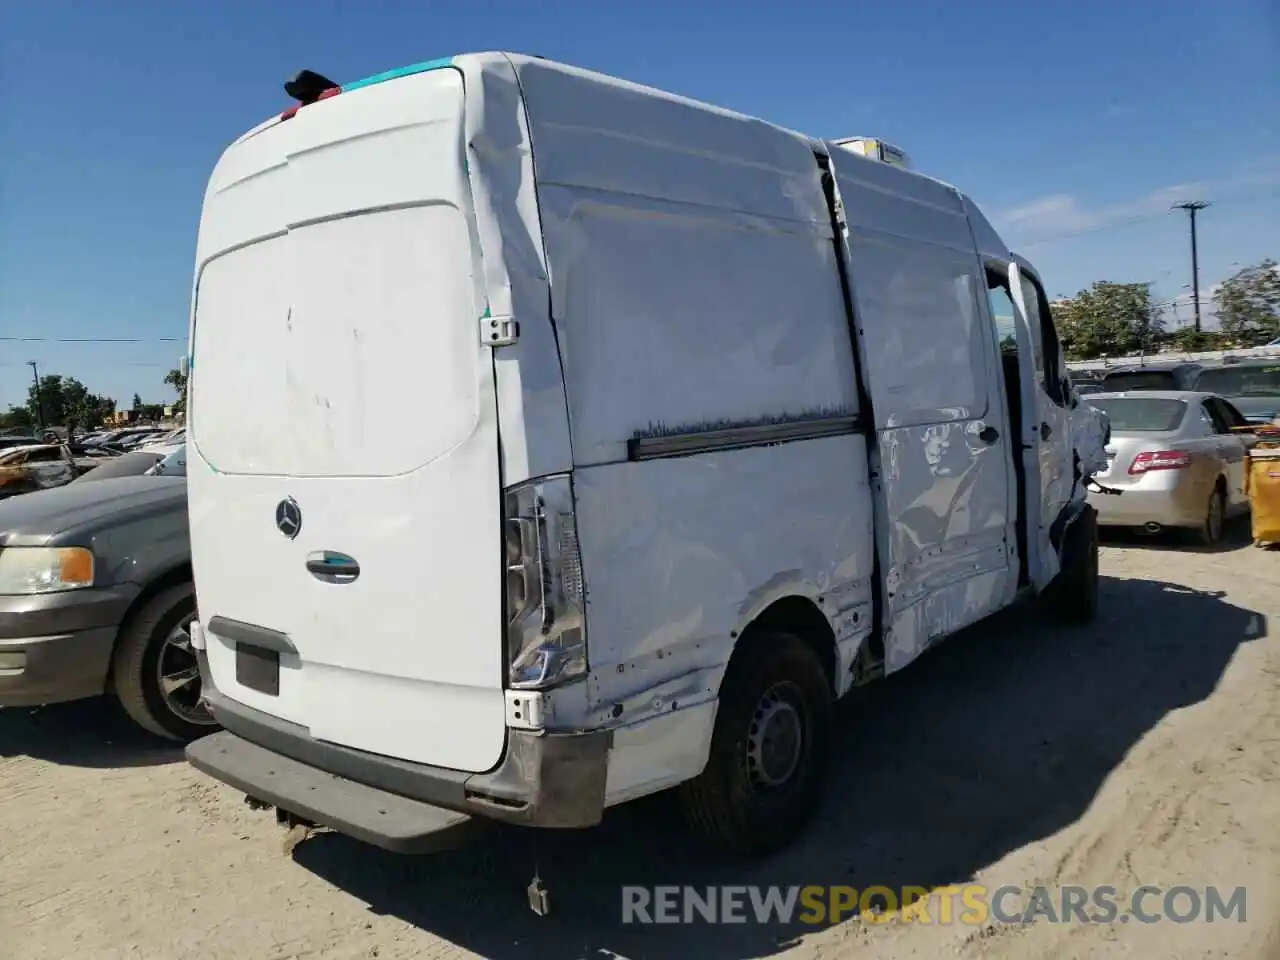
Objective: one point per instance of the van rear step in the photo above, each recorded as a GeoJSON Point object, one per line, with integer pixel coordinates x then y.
{"type": "Point", "coordinates": [304, 793]}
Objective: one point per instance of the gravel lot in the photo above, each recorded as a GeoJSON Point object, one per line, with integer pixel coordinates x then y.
{"type": "Point", "coordinates": [1143, 750]}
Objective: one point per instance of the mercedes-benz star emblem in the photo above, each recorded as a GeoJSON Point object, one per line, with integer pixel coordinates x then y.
{"type": "Point", "coordinates": [289, 518]}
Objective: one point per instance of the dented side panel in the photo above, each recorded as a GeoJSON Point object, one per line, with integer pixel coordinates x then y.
{"type": "Point", "coordinates": [500, 166]}
{"type": "Point", "coordinates": [680, 555]}
{"type": "Point", "coordinates": [694, 282]}
{"type": "Point", "coordinates": [946, 489]}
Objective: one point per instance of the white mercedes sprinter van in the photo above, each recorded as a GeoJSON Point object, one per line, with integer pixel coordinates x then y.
{"type": "Point", "coordinates": [555, 441]}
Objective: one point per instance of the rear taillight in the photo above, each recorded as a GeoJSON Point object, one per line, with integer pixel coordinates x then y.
{"type": "Point", "coordinates": [1150, 460]}
{"type": "Point", "coordinates": [546, 625]}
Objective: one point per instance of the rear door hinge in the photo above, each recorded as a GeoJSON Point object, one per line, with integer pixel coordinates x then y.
{"type": "Point", "coordinates": [498, 331]}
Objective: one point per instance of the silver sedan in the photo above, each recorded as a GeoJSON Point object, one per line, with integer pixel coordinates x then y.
{"type": "Point", "coordinates": [1177, 460]}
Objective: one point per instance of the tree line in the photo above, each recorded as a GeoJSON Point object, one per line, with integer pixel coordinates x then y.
{"type": "Point", "coordinates": [1116, 319]}
{"type": "Point", "coordinates": [63, 401]}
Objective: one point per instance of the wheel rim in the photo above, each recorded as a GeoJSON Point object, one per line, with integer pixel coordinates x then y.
{"type": "Point", "coordinates": [1215, 517]}
{"type": "Point", "coordinates": [775, 742]}
{"type": "Point", "coordinates": [178, 676]}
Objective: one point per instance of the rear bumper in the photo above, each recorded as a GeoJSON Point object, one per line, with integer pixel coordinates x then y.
{"type": "Point", "coordinates": [1183, 506]}
{"type": "Point", "coordinates": [544, 779]}
{"type": "Point", "coordinates": [366, 813]}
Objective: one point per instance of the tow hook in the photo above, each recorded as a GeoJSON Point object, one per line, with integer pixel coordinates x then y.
{"type": "Point", "coordinates": [291, 820]}
{"type": "Point", "coordinates": [297, 828]}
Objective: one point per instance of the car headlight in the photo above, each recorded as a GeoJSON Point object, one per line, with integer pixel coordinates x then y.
{"type": "Point", "coordinates": [26, 570]}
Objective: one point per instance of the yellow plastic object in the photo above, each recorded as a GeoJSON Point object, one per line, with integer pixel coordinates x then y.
{"type": "Point", "coordinates": [1262, 483]}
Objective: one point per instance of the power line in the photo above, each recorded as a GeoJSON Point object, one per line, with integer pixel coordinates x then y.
{"type": "Point", "coordinates": [1136, 219]}
{"type": "Point", "coordinates": [93, 363]}
{"type": "Point", "coordinates": [1100, 228]}
{"type": "Point", "coordinates": [93, 339]}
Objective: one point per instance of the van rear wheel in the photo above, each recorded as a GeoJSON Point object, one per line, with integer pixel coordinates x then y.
{"type": "Point", "coordinates": [770, 748]}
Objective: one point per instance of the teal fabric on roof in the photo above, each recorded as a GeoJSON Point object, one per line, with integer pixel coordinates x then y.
{"type": "Point", "coordinates": [398, 73]}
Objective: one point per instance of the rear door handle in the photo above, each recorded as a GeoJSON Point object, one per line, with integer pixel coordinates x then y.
{"type": "Point", "coordinates": [988, 435]}
{"type": "Point", "coordinates": [332, 567]}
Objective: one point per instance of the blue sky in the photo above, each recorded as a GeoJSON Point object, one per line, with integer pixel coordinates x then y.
{"type": "Point", "coordinates": [1073, 124]}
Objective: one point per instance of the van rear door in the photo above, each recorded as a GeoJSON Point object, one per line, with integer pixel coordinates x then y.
{"type": "Point", "coordinates": [344, 483]}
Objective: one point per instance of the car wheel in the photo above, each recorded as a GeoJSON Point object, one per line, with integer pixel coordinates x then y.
{"type": "Point", "coordinates": [1210, 531]}
{"type": "Point", "coordinates": [769, 750]}
{"type": "Point", "coordinates": [154, 669]}
{"type": "Point", "coordinates": [1073, 595]}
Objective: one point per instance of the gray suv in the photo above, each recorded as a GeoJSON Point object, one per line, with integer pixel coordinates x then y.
{"type": "Point", "coordinates": [96, 597]}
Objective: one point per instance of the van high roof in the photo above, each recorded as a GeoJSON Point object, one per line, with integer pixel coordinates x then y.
{"type": "Point", "coordinates": [308, 86]}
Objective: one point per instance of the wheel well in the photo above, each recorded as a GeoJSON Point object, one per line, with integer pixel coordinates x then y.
{"type": "Point", "coordinates": [803, 618]}
{"type": "Point", "coordinates": [171, 578]}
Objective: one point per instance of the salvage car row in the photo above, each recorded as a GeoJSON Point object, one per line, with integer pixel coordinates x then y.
{"type": "Point", "coordinates": [1181, 435]}
{"type": "Point", "coordinates": [1251, 385]}
{"type": "Point", "coordinates": [96, 597]}
{"type": "Point", "coordinates": [28, 464]}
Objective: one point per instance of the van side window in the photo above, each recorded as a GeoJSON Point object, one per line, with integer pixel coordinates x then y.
{"type": "Point", "coordinates": [1000, 293]}
{"type": "Point", "coordinates": [922, 319]}
{"type": "Point", "coordinates": [1049, 362]}
{"type": "Point", "coordinates": [1002, 314]}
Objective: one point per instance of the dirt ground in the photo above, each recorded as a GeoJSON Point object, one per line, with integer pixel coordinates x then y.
{"type": "Point", "coordinates": [1142, 750]}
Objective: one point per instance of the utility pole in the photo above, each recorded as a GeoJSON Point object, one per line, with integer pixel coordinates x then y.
{"type": "Point", "coordinates": [35, 378]}
{"type": "Point", "coordinates": [1193, 207]}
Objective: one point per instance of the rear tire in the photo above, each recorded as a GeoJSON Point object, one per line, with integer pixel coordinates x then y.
{"type": "Point", "coordinates": [1073, 595]}
{"type": "Point", "coordinates": [770, 750]}
{"type": "Point", "coordinates": [1210, 531]}
{"type": "Point", "coordinates": [154, 668]}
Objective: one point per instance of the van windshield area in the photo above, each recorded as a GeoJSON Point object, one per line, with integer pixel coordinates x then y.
{"type": "Point", "coordinates": [1241, 381]}
{"type": "Point", "coordinates": [1141, 380]}
{"type": "Point", "coordinates": [1142, 415]}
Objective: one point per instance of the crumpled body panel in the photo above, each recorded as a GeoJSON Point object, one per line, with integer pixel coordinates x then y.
{"type": "Point", "coordinates": [679, 558]}
{"type": "Point", "coordinates": [1090, 428]}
